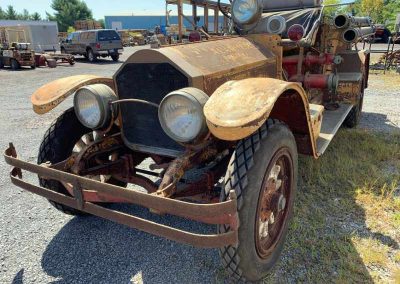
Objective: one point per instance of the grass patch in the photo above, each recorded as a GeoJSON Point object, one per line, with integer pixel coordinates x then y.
{"type": "Point", "coordinates": [346, 220]}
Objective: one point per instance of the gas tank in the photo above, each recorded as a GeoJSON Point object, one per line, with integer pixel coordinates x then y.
{"type": "Point", "coordinates": [270, 5]}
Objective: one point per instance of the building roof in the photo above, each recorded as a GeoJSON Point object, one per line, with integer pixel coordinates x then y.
{"type": "Point", "coordinates": [199, 3]}
{"type": "Point", "coordinates": [13, 23]}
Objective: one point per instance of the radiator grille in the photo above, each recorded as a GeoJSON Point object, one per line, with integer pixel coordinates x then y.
{"type": "Point", "coordinates": [140, 125]}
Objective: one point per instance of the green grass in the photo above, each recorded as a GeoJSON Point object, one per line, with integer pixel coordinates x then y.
{"type": "Point", "coordinates": [346, 223]}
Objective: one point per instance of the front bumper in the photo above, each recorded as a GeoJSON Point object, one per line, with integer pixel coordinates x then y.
{"type": "Point", "coordinates": [220, 213]}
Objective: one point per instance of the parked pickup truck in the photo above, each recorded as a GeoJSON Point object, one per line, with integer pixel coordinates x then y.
{"type": "Point", "coordinates": [93, 43]}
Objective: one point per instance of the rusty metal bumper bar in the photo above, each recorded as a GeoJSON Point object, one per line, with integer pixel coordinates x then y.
{"type": "Point", "coordinates": [219, 213]}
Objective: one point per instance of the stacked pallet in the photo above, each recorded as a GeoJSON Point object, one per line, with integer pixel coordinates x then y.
{"type": "Point", "coordinates": [87, 25]}
{"type": "Point", "coordinates": [3, 37]}
{"type": "Point", "coordinates": [62, 36]}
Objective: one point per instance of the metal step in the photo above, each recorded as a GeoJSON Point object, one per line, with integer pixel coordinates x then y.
{"type": "Point", "coordinates": [331, 123]}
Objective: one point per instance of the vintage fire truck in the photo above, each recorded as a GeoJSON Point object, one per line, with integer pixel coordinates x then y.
{"type": "Point", "coordinates": [220, 124]}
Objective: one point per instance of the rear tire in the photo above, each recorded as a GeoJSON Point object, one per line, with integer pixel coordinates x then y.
{"type": "Point", "coordinates": [57, 145]}
{"type": "Point", "coordinates": [115, 58]}
{"type": "Point", "coordinates": [14, 64]}
{"type": "Point", "coordinates": [1, 64]}
{"type": "Point", "coordinates": [90, 55]}
{"type": "Point", "coordinates": [63, 50]}
{"type": "Point", "coordinates": [354, 117]}
{"type": "Point", "coordinates": [270, 152]}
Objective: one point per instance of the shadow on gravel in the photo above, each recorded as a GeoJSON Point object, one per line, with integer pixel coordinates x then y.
{"type": "Point", "coordinates": [99, 61]}
{"type": "Point", "coordinates": [93, 250]}
{"type": "Point", "coordinates": [378, 122]}
{"type": "Point", "coordinates": [19, 277]}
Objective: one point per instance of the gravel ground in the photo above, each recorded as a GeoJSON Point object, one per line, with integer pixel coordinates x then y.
{"type": "Point", "coordinates": [40, 245]}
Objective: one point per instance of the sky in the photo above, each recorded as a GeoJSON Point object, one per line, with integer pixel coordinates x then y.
{"type": "Point", "coordinates": [100, 8]}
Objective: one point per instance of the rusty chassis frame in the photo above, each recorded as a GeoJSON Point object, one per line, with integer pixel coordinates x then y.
{"type": "Point", "coordinates": [217, 213]}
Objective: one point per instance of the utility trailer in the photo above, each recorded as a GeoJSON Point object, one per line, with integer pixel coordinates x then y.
{"type": "Point", "coordinates": [223, 122]}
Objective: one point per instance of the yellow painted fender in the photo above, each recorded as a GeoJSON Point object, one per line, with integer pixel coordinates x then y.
{"type": "Point", "coordinates": [52, 94]}
{"type": "Point", "coordinates": [237, 109]}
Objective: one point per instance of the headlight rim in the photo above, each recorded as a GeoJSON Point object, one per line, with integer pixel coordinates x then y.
{"type": "Point", "coordinates": [198, 99]}
{"type": "Point", "coordinates": [103, 95]}
{"type": "Point", "coordinates": [253, 19]}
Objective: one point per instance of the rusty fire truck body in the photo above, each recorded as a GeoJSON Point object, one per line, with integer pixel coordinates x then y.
{"type": "Point", "coordinates": [222, 121]}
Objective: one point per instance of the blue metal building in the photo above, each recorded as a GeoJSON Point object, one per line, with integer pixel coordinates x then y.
{"type": "Point", "coordinates": [148, 22]}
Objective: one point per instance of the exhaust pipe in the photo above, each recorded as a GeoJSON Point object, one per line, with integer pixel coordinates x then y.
{"type": "Point", "coordinates": [353, 34]}
{"type": "Point", "coordinates": [345, 21]}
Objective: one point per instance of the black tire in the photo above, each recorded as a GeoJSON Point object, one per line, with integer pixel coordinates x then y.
{"type": "Point", "coordinates": [57, 145]}
{"type": "Point", "coordinates": [63, 50]}
{"type": "Point", "coordinates": [91, 57]}
{"type": "Point", "coordinates": [1, 64]}
{"type": "Point", "coordinates": [33, 66]}
{"type": "Point", "coordinates": [385, 37]}
{"type": "Point", "coordinates": [354, 117]}
{"type": "Point", "coordinates": [115, 57]}
{"type": "Point", "coordinates": [14, 64]}
{"type": "Point", "coordinates": [250, 162]}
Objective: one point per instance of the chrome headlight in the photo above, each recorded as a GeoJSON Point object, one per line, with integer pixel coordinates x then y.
{"type": "Point", "coordinates": [92, 105]}
{"type": "Point", "coordinates": [181, 115]}
{"type": "Point", "coordinates": [246, 11]}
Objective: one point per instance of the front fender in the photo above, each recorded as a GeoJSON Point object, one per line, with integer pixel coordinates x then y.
{"type": "Point", "coordinates": [52, 94]}
{"type": "Point", "coordinates": [237, 109]}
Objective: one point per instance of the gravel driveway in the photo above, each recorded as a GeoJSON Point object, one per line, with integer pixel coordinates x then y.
{"type": "Point", "coordinates": [39, 244]}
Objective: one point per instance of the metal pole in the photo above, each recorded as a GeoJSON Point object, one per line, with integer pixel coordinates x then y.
{"type": "Point", "coordinates": [194, 12]}
{"type": "Point", "coordinates": [180, 19]}
{"type": "Point", "coordinates": [216, 20]}
{"type": "Point", "coordinates": [387, 55]}
{"type": "Point", "coordinates": [206, 18]}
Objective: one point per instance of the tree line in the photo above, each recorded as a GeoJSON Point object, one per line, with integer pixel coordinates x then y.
{"type": "Point", "coordinates": [66, 13]}
{"type": "Point", "coordinates": [11, 14]}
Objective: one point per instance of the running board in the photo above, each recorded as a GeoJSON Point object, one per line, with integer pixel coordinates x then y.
{"type": "Point", "coordinates": [331, 122]}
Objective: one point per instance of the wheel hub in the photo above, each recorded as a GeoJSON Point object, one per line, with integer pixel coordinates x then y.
{"type": "Point", "coordinates": [272, 208]}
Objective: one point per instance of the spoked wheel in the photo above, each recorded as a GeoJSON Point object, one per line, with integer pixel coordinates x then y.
{"type": "Point", "coordinates": [272, 212]}
{"type": "Point", "coordinates": [263, 173]}
{"type": "Point", "coordinates": [65, 136]}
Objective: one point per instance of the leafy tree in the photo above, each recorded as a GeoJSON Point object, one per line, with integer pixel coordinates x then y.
{"type": "Point", "coordinates": [36, 16]}
{"type": "Point", "coordinates": [381, 11]}
{"type": "Point", "coordinates": [70, 30]}
{"type": "Point", "coordinates": [102, 23]}
{"type": "Point", "coordinates": [2, 14]}
{"type": "Point", "coordinates": [11, 14]}
{"type": "Point", "coordinates": [24, 16]}
{"type": "Point", "coordinates": [68, 11]}
{"type": "Point", "coordinates": [331, 11]}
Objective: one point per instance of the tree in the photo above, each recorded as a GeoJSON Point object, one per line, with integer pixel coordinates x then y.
{"type": "Point", "coordinates": [36, 16]}
{"type": "Point", "coordinates": [11, 14]}
{"type": "Point", "coordinates": [24, 16]}
{"type": "Point", "coordinates": [69, 11]}
{"type": "Point", "coordinates": [2, 14]}
{"type": "Point", "coordinates": [331, 11]}
{"type": "Point", "coordinates": [380, 11]}
{"type": "Point", "coordinates": [102, 23]}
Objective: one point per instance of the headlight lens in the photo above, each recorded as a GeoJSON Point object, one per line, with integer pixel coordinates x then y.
{"type": "Point", "coordinates": [92, 107]}
{"type": "Point", "coordinates": [181, 115]}
{"type": "Point", "coordinates": [245, 11]}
